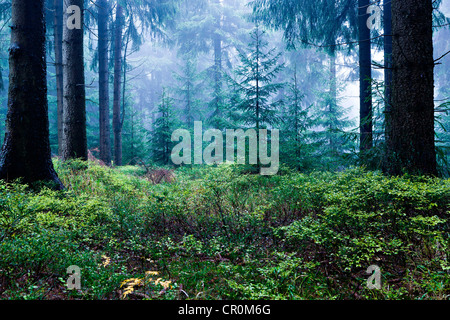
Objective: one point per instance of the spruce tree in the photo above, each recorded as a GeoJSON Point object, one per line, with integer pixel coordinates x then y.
{"type": "Point", "coordinates": [255, 79]}
{"type": "Point", "coordinates": [104, 112]}
{"type": "Point", "coordinates": [328, 24]}
{"type": "Point", "coordinates": [411, 141]}
{"type": "Point", "coordinates": [188, 88]}
{"type": "Point", "coordinates": [296, 123]}
{"type": "Point", "coordinates": [210, 29]}
{"type": "Point", "coordinates": [58, 41]}
{"type": "Point", "coordinates": [136, 17]}
{"type": "Point", "coordinates": [165, 124]}
{"type": "Point", "coordinates": [74, 111]}
{"type": "Point", "coordinates": [135, 137]}
{"type": "Point", "coordinates": [26, 150]}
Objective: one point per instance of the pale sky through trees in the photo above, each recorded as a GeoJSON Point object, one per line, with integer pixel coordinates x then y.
{"type": "Point", "coordinates": [350, 97]}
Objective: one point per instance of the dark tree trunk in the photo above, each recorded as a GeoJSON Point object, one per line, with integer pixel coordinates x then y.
{"type": "Point", "coordinates": [105, 138]}
{"type": "Point", "coordinates": [411, 143]}
{"type": "Point", "coordinates": [26, 151]}
{"type": "Point", "coordinates": [74, 140]}
{"type": "Point", "coordinates": [117, 123]}
{"type": "Point", "coordinates": [365, 75]}
{"type": "Point", "coordinates": [58, 34]}
{"type": "Point", "coordinates": [387, 64]}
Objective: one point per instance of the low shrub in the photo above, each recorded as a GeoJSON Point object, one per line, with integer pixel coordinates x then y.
{"type": "Point", "coordinates": [218, 233]}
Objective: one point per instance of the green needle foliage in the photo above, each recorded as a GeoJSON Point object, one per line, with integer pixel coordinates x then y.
{"type": "Point", "coordinates": [256, 77]}
{"type": "Point", "coordinates": [164, 125]}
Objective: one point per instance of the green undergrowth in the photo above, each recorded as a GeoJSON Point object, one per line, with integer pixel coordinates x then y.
{"type": "Point", "coordinates": [218, 233]}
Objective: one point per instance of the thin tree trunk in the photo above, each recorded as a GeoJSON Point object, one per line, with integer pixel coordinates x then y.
{"type": "Point", "coordinates": [217, 40]}
{"type": "Point", "coordinates": [117, 81]}
{"type": "Point", "coordinates": [58, 34]}
{"type": "Point", "coordinates": [124, 82]}
{"type": "Point", "coordinates": [124, 86]}
{"type": "Point", "coordinates": [296, 115]}
{"type": "Point", "coordinates": [333, 103]}
{"type": "Point", "coordinates": [189, 84]}
{"type": "Point", "coordinates": [74, 124]}
{"type": "Point", "coordinates": [387, 64]}
{"type": "Point", "coordinates": [411, 140]}
{"type": "Point", "coordinates": [365, 75]}
{"type": "Point", "coordinates": [105, 138]}
{"type": "Point", "coordinates": [26, 151]}
{"type": "Point", "coordinates": [257, 85]}
{"type": "Point", "coordinates": [132, 138]}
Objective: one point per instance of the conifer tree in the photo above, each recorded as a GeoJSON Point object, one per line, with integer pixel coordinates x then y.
{"type": "Point", "coordinates": [58, 34]}
{"type": "Point", "coordinates": [187, 89]}
{"type": "Point", "coordinates": [211, 29]}
{"type": "Point", "coordinates": [74, 111]}
{"type": "Point", "coordinates": [255, 78]}
{"type": "Point", "coordinates": [26, 149]}
{"type": "Point", "coordinates": [135, 140]}
{"type": "Point", "coordinates": [296, 122]}
{"type": "Point", "coordinates": [410, 147]}
{"type": "Point", "coordinates": [165, 124]}
{"type": "Point", "coordinates": [330, 25]}
{"type": "Point", "coordinates": [135, 17]}
{"type": "Point", "coordinates": [103, 8]}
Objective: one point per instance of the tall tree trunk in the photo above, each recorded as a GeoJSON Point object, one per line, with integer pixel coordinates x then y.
{"type": "Point", "coordinates": [296, 116]}
{"type": "Point", "coordinates": [217, 72]}
{"type": "Point", "coordinates": [26, 151]}
{"type": "Point", "coordinates": [257, 92]}
{"type": "Point", "coordinates": [58, 34]}
{"type": "Point", "coordinates": [124, 82]}
{"type": "Point", "coordinates": [217, 44]}
{"type": "Point", "coordinates": [189, 118]}
{"type": "Point", "coordinates": [124, 86]}
{"type": "Point", "coordinates": [74, 124]}
{"type": "Point", "coordinates": [365, 75]}
{"type": "Point", "coordinates": [333, 103]}
{"type": "Point", "coordinates": [117, 123]}
{"type": "Point", "coordinates": [105, 138]}
{"type": "Point", "coordinates": [411, 143]}
{"type": "Point", "coordinates": [387, 64]}
{"type": "Point", "coordinates": [257, 85]}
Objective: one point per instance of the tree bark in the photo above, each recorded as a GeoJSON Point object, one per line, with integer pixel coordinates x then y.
{"type": "Point", "coordinates": [104, 122]}
{"type": "Point", "coordinates": [117, 123]}
{"type": "Point", "coordinates": [365, 75]}
{"type": "Point", "coordinates": [387, 64]}
{"type": "Point", "coordinates": [411, 143]}
{"type": "Point", "coordinates": [58, 34]}
{"type": "Point", "coordinates": [74, 124]}
{"type": "Point", "coordinates": [26, 151]}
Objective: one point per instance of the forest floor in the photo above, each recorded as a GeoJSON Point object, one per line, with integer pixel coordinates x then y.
{"type": "Point", "coordinates": [216, 233]}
